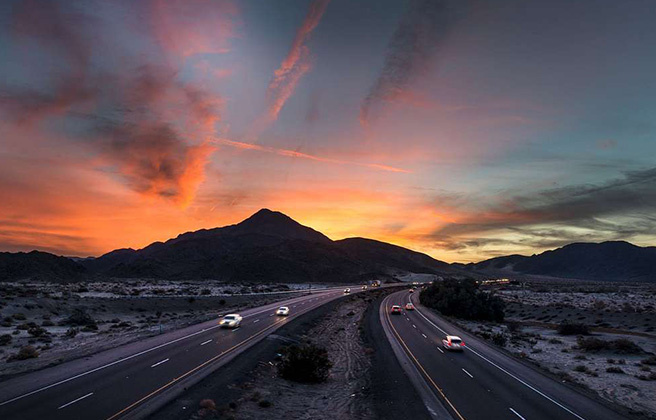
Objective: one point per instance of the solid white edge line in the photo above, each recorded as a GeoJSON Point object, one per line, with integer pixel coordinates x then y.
{"type": "Point", "coordinates": [74, 401]}
{"type": "Point", "coordinates": [470, 375]}
{"type": "Point", "coordinates": [63, 381]}
{"type": "Point", "coordinates": [205, 342]}
{"type": "Point", "coordinates": [516, 413]}
{"type": "Point", "coordinates": [159, 363]}
{"type": "Point", "coordinates": [508, 373]}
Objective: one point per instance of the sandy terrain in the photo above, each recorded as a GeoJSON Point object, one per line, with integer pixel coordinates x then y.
{"type": "Point", "coordinates": [612, 311]}
{"type": "Point", "coordinates": [36, 315]}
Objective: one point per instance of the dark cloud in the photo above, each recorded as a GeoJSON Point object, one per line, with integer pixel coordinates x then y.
{"type": "Point", "coordinates": [618, 209]}
{"type": "Point", "coordinates": [409, 52]}
{"type": "Point", "coordinates": [141, 119]}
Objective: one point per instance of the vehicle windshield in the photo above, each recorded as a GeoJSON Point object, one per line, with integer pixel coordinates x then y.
{"type": "Point", "coordinates": [455, 341]}
{"type": "Point", "coordinates": [282, 308]}
{"type": "Point", "coordinates": [229, 317]}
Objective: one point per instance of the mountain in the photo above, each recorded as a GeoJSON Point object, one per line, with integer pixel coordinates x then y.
{"type": "Point", "coordinates": [268, 246]}
{"type": "Point", "coordinates": [614, 261]}
{"type": "Point", "coordinates": [38, 265]}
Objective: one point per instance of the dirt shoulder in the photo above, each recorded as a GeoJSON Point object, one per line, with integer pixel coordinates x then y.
{"type": "Point", "coordinates": [249, 388]}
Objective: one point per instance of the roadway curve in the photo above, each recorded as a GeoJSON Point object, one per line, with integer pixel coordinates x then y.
{"type": "Point", "coordinates": [480, 383]}
{"type": "Point", "coordinates": [133, 380]}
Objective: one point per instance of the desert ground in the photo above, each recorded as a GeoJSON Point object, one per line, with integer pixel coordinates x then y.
{"type": "Point", "coordinates": [60, 322]}
{"type": "Point", "coordinates": [624, 374]}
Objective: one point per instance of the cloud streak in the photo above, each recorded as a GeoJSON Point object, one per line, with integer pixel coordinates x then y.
{"type": "Point", "coordinates": [299, 155]}
{"type": "Point", "coordinates": [296, 64]}
{"type": "Point", "coordinates": [409, 53]}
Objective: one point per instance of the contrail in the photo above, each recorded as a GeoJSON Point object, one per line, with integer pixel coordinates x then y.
{"type": "Point", "coordinates": [296, 154]}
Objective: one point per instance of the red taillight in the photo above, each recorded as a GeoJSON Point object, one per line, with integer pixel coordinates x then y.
{"type": "Point", "coordinates": [462, 343]}
{"type": "Point", "coordinates": [448, 344]}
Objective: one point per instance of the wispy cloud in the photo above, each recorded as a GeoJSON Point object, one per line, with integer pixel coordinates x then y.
{"type": "Point", "coordinates": [300, 155]}
{"type": "Point", "coordinates": [409, 53]}
{"type": "Point", "coordinates": [296, 64]}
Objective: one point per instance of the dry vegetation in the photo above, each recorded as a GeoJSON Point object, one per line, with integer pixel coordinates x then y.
{"type": "Point", "coordinates": [598, 335]}
{"type": "Point", "coordinates": [45, 324]}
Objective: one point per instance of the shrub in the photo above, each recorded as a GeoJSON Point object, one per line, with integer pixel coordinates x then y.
{"type": "Point", "coordinates": [19, 316]}
{"type": "Point", "coordinates": [499, 339]}
{"type": "Point", "coordinates": [581, 368]}
{"type": "Point", "coordinates": [27, 352]}
{"type": "Point", "coordinates": [573, 328]}
{"type": "Point", "coordinates": [5, 339]}
{"type": "Point", "coordinates": [206, 292]}
{"type": "Point", "coordinates": [265, 404]}
{"type": "Point", "coordinates": [463, 299]}
{"type": "Point", "coordinates": [72, 332]}
{"type": "Point", "coordinates": [620, 346]}
{"type": "Point", "coordinates": [79, 317]}
{"type": "Point", "coordinates": [651, 360]}
{"type": "Point", "coordinates": [614, 369]}
{"type": "Point", "coordinates": [37, 332]}
{"type": "Point", "coordinates": [47, 323]}
{"type": "Point", "coordinates": [513, 326]}
{"type": "Point", "coordinates": [307, 363]}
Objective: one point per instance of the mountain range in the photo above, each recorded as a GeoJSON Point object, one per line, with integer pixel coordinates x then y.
{"type": "Point", "coordinates": [271, 247]}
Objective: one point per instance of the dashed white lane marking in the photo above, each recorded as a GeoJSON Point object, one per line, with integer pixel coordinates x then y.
{"type": "Point", "coordinates": [468, 374]}
{"type": "Point", "coordinates": [74, 401]}
{"type": "Point", "coordinates": [509, 374]}
{"type": "Point", "coordinates": [236, 329]}
{"type": "Point", "coordinates": [205, 342]}
{"type": "Point", "coordinates": [271, 315]}
{"type": "Point", "coordinates": [257, 320]}
{"type": "Point", "coordinates": [159, 363]}
{"type": "Point", "coordinates": [517, 414]}
{"type": "Point", "coordinates": [424, 335]}
{"type": "Point", "coordinates": [441, 351]}
{"type": "Point", "coordinates": [414, 326]}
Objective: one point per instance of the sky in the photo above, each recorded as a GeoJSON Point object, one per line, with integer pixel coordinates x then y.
{"type": "Point", "coordinates": [463, 129]}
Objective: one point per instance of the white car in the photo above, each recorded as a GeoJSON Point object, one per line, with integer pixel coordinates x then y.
{"type": "Point", "coordinates": [230, 321]}
{"type": "Point", "coordinates": [347, 291]}
{"type": "Point", "coordinates": [282, 311]}
{"type": "Point", "coordinates": [453, 342]}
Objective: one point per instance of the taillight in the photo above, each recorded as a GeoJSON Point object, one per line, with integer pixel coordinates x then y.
{"type": "Point", "coordinates": [462, 343]}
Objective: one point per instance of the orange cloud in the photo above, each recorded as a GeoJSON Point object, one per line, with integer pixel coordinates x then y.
{"type": "Point", "coordinates": [297, 62]}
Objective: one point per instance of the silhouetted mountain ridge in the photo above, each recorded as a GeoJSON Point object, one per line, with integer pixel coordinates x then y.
{"type": "Point", "coordinates": [612, 260]}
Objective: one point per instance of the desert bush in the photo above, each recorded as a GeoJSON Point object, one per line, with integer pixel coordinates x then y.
{"type": "Point", "coordinates": [581, 368]}
{"type": "Point", "coordinates": [555, 341]}
{"type": "Point", "coordinates": [265, 403]}
{"type": "Point", "coordinates": [499, 339]}
{"type": "Point", "coordinates": [19, 316]}
{"type": "Point", "coordinates": [72, 332]}
{"type": "Point", "coordinates": [207, 404]}
{"type": "Point", "coordinates": [47, 323]}
{"type": "Point", "coordinates": [614, 369]}
{"type": "Point", "coordinates": [573, 328]}
{"type": "Point", "coordinates": [5, 339]}
{"type": "Point", "coordinates": [27, 352]}
{"type": "Point", "coordinates": [80, 317]}
{"type": "Point", "coordinates": [651, 360]}
{"type": "Point", "coordinates": [37, 332]}
{"type": "Point", "coordinates": [462, 299]}
{"type": "Point", "coordinates": [513, 326]}
{"type": "Point", "coordinates": [306, 363]}
{"type": "Point", "coordinates": [620, 346]}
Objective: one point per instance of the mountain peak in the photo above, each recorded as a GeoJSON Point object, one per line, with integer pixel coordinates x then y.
{"type": "Point", "coordinates": [275, 223]}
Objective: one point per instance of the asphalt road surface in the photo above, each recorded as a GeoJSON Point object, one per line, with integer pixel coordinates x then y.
{"type": "Point", "coordinates": [128, 381]}
{"type": "Point", "coordinates": [481, 382]}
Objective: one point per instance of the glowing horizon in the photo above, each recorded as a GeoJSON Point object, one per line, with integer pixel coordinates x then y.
{"type": "Point", "coordinates": [459, 129]}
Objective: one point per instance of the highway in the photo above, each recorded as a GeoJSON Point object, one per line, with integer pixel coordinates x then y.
{"type": "Point", "coordinates": [482, 382]}
{"type": "Point", "coordinates": [132, 380]}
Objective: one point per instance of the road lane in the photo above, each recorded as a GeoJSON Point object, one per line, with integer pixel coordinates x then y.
{"type": "Point", "coordinates": [472, 383]}
{"type": "Point", "coordinates": [110, 389]}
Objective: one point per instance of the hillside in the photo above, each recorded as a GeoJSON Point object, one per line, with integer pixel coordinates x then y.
{"type": "Point", "coordinates": [613, 261]}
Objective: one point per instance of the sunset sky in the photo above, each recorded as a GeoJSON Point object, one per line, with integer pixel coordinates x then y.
{"type": "Point", "coordinates": [463, 129]}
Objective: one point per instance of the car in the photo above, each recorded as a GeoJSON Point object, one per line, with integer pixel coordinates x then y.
{"type": "Point", "coordinates": [230, 321]}
{"type": "Point", "coordinates": [409, 307]}
{"type": "Point", "coordinates": [411, 290]}
{"type": "Point", "coordinates": [396, 310]}
{"type": "Point", "coordinates": [453, 342]}
{"type": "Point", "coordinates": [347, 290]}
{"type": "Point", "coordinates": [282, 311]}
